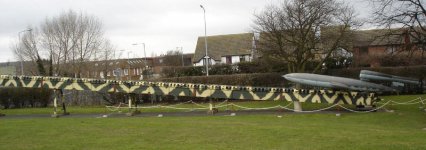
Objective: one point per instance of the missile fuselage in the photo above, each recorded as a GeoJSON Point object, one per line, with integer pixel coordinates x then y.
{"type": "Point", "coordinates": [367, 75]}
{"type": "Point", "coordinates": [335, 82]}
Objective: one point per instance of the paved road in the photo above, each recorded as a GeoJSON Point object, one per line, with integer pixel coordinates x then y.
{"type": "Point", "coordinates": [167, 114]}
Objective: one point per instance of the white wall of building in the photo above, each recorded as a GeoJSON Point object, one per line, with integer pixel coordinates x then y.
{"type": "Point", "coordinates": [201, 62]}
{"type": "Point", "coordinates": [223, 60]}
{"type": "Point", "coordinates": [235, 59]}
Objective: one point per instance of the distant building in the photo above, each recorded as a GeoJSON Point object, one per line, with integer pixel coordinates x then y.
{"type": "Point", "coordinates": [160, 62]}
{"type": "Point", "coordinates": [370, 46]}
{"type": "Point", "coordinates": [120, 69]}
{"type": "Point", "coordinates": [225, 49]}
{"type": "Point", "coordinates": [132, 69]}
{"type": "Point", "coordinates": [9, 68]}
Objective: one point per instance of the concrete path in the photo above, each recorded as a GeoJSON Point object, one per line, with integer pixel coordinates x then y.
{"type": "Point", "coordinates": [166, 114]}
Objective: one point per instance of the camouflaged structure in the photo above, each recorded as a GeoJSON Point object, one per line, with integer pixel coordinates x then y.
{"type": "Point", "coordinates": [191, 90]}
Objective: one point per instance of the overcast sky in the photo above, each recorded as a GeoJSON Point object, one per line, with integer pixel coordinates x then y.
{"type": "Point", "coordinates": [161, 24]}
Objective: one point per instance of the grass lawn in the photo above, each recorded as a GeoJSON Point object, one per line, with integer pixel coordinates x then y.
{"type": "Point", "coordinates": [401, 129]}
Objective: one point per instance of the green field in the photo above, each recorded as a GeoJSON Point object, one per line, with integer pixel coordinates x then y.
{"type": "Point", "coordinates": [402, 129]}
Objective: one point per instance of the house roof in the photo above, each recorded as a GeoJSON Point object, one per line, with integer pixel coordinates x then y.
{"type": "Point", "coordinates": [365, 37]}
{"type": "Point", "coordinates": [224, 45]}
{"type": "Point", "coordinates": [379, 37]}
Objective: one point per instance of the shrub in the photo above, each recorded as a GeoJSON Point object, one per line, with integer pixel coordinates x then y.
{"type": "Point", "coordinates": [258, 79]}
{"type": "Point", "coordinates": [408, 71]}
{"type": "Point", "coordinates": [25, 97]}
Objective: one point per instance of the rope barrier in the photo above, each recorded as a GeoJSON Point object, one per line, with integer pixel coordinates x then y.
{"type": "Point", "coordinates": [311, 111]}
{"type": "Point", "coordinates": [372, 110]}
{"type": "Point", "coordinates": [199, 105]}
{"type": "Point", "coordinates": [222, 104]}
{"type": "Point", "coordinates": [114, 108]}
{"type": "Point", "coordinates": [248, 108]}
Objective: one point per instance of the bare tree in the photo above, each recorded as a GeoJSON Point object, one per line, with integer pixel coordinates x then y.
{"type": "Point", "coordinates": [304, 31]}
{"type": "Point", "coordinates": [173, 58]}
{"type": "Point", "coordinates": [67, 41]}
{"type": "Point", "coordinates": [409, 15]}
{"type": "Point", "coordinates": [103, 58]}
{"type": "Point", "coordinates": [27, 51]}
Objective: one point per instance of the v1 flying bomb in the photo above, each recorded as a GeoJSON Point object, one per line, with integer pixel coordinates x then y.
{"type": "Point", "coordinates": [333, 82]}
{"type": "Point", "coordinates": [394, 81]}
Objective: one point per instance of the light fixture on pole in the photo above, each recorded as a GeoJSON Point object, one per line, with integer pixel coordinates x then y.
{"type": "Point", "coordinates": [205, 41]}
{"type": "Point", "coordinates": [19, 36]}
{"type": "Point", "coordinates": [144, 53]}
{"type": "Point", "coordinates": [181, 50]}
{"type": "Point", "coordinates": [128, 63]}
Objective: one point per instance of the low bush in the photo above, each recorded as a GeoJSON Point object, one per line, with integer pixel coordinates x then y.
{"type": "Point", "coordinates": [408, 71]}
{"type": "Point", "coordinates": [24, 97]}
{"type": "Point", "coordinates": [257, 79]}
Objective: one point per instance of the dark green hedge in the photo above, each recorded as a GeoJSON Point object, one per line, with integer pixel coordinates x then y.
{"type": "Point", "coordinates": [257, 79]}
{"type": "Point", "coordinates": [275, 79]}
{"type": "Point", "coordinates": [409, 71]}
{"type": "Point", "coordinates": [24, 97]}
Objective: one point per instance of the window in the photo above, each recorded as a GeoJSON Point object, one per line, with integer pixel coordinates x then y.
{"type": "Point", "coordinates": [391, 50]}
{"type": "Point", "coordinates": [126, 72]}
{"type": "Point", "coordinates": [228, 59]}
{"type": "Point", "coordinates": [242, 58]}
{"type": "Point", "coordinates": [363, 51]}
{"type": "Point", "coordinates": [109, 73]}
{"type": "Point", "coordinates": [114, 73]}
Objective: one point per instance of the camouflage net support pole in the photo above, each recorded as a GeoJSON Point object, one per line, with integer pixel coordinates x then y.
{"type": "Point", "coordinates": [130, 113]}
{"type": "Point", "coordinates": [212, 110]}
{"type": "Point", "coordinates": [55, 103]}
{"type": "Point", "coordinates": [64, 108]}
{"type": "Point", "coordinates": [130, 103]}
{"type": "Point", "coordinates": [131, 110]}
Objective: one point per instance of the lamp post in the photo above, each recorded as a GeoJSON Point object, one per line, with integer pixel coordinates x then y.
{"type": "Point", "coordinates": [144, 53]}
{"type": "Point", "coordinates": [128, 63]}
{"type": "Point", "coordinates": [181, 50]}
{"type": "Point", "coordinates": [19, 36]}
{"type": "Point", "coordinates": [205, 41]}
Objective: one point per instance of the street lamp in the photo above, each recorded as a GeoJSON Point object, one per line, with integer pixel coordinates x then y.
{"type": "Point", "coordinates": [26, 30]}
{"type": "Point", "coordinates": [128, 63]}
{"type": "Point", "coordinates": [181, 50]}
{"type": "Point", "coordinates": [144, 53]}
{"type": "Point", "coordinates": [19, 36]}
{"type": "Point", "coordinates": [205, 41]}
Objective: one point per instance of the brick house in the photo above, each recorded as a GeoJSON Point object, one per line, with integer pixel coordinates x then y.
{"type": "Point", "coordinates": [370, 47]}
{"type": "Point", "coordinates": [131, 69]}
{"type": "Point", "coordinates": [120, 69]}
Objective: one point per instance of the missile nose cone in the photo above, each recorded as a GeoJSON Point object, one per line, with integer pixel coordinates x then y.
{"type": "Point", "coordinates": [288, 76]}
